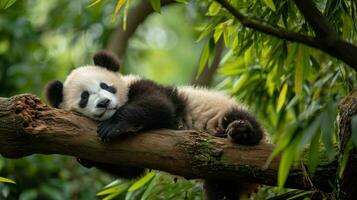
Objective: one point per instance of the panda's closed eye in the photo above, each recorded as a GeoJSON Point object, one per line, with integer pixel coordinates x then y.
{"type": "Point", "coordinates": [108, 88]}
{"type": "Point", "coordinates": [84, 99]}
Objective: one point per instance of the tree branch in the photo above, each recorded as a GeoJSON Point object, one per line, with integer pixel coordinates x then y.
{"type": "Point", "coordinates": [27, 127]}
{"type": "Point", "coordinates": [335, 46]}
{"type": "Point", "coordinates": [323, 30]}
{"type": "Point", "coordinates": [264, 27]}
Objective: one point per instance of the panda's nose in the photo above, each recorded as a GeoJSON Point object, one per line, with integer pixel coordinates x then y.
{"type": "Point", "coordinates": [103, 103]}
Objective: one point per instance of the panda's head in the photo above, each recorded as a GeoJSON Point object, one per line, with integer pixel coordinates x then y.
{"type": "Point", "coordinates": [96, 91]}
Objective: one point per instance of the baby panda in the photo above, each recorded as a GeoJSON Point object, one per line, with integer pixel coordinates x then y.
{"type": "Point", "coordinates": [126, 104]}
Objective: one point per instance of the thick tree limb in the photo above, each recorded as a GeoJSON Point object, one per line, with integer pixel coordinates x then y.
{"type": "Point", "coordinates": [27, 127]}
{"type": "Point", "coordinates": [326, 41]}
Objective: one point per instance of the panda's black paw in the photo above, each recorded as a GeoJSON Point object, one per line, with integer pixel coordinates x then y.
{"type": "Point", "coordinates": [108, 130]}
{"type": "Point", "coordinates": [242, 132]}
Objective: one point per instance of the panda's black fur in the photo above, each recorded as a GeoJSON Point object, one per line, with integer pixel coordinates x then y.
{"type": "Point", "coordinates": [149, 105]}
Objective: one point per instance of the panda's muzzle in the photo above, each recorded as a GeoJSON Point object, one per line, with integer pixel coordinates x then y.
{"type": "Point", "coordinates": [103, 103]}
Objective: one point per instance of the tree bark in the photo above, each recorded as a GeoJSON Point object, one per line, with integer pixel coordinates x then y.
{"type": "Point", "coordinates": [27, 127]}
{"type": "Point", "coordinates": [348, 182]}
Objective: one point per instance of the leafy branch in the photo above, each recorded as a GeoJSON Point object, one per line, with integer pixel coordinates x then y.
{"type": "Point", "coordinates": [326, 40]}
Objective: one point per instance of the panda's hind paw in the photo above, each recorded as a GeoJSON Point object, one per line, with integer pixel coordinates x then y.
{"type": "Point", "coordinates": [242, 132]}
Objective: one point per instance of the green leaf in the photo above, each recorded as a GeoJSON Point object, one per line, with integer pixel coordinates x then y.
{"type": "Point", "coordinates": [156, 5]}
{"type": "Point", "coordinates": [209, 28]}
{"type": "Point", "coordinates": [309, 133]}
{"type": "Point", "coordinates": [238, 85]}
{"type": "Point", "coordinates": [117, 189]}
{"type": "Point", "coordinates": [4, 4]}
{"type": "Point", "coordinates": [94, 3]}
{"type": "Point", "coordinates": [354, 130]}
{"type": "Point", "coordinates": [327, 128]}
{"type": "Point", "coordinates": [125, 14]}
{"type": "Point", "coordinates": [214, 9]}
{"type": "Point", "coordinates": [282, 96]}
{"type": "Point", "coordinates": [118, 6]}
{"type": "Point", "coordinates": [141, 182]}
{"type": "Point", "coordinates": [285, 165]}
{"type": "Point", "coordinates": [299, 72]}
{"type": "Point", "coordinates": [149, 189]}
{"type": "Point", "coordinates": [270, 4]}
{"type": "Point", "coordinates": [314, 153]}
{"type": "Point", "coordinates": [6, 180]}
{"type": "Point", "coordinates": [203, 59]}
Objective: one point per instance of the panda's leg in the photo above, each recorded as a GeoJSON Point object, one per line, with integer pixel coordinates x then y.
{"type": "Point", "coordinates": [114, 170]}
{"type": "Point", "coordinates": [241, 127]}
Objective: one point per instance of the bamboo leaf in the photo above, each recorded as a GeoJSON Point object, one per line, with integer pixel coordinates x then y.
{"type": "Point", "coordinates": [118, 7]}
{"type": "Point", "coordinates": [148, 189]}
{"type": "Point", "coordinates": [309, 133]}
{"type": "Point", "coordinates": [299, 73]}
{"type": "Point", "coordinates": [6, 180]}
{"type": "Point", "coordinates": [214, 9]}
{"type": "Point", "coordinates": [285, 165]}
{"type": "Point", "coordinates": [117, 189]}
{"type": "Point", "coordinates": [156, 5]}
{"type": "Point", "coordinates": [314, 153]}
{"type": "Point", "coordinates": [282, 96]}
{"type": "Point", "coordinates": [240, 83]}
{"type": "Point", "coordinates": [9, 3]}
{"type": "Point", "coordinates": [94, 3]}
{"type": "Point", "coordinates": [141, 182]}
{"type": "Point", "coordinates": [203, 58]}
{"type": "Point", "coordinates": [327, 128]}
{"type": "Point", "coordinates": [4, 4]}
{"type": "Point", "coordinates": [270, 4]}
{"type": "Point", "coordinates": [125, 17]}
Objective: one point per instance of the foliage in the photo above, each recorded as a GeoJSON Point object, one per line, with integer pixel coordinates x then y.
{"type": "Point", "coordinates": [6, 180]}
{"type": "Point", "coordinates": [294, 85]}
{"type": "Point", "coordinates": [294, 89]}
{"type": "Point", "coordinates": [155, 185]}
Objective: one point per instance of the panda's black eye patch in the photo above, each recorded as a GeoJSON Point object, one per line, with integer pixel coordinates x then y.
{"type": "Point", "coordinates": [108, 88]}
{"type": "Point", "coordinates": [84, 99]}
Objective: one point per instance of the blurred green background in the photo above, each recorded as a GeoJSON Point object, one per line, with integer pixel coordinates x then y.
{"type": "Point", "coordinates": [292, 88]}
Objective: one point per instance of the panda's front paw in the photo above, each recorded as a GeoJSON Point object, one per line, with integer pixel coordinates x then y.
{"type": "Point", "coordinates": [242, 132]}
{"type": "Point", "coordinates": [104, 130]}
{"type": "Point", "coordinates": [108, 130]}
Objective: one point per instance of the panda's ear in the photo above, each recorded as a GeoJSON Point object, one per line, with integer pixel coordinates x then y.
{"type": "Point", "coordinates": [54, 93]}
{"type": "Point", "coordinates": [107, 60]}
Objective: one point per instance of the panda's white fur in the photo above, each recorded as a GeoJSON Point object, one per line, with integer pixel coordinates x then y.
{"type": "Point", "coordinates": [88, 78]}
{"type": "Point", "coordinates": [205, 109]}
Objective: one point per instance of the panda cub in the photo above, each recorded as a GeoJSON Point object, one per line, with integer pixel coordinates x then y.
{"type": "Point", "coordinates": [126, 104]}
